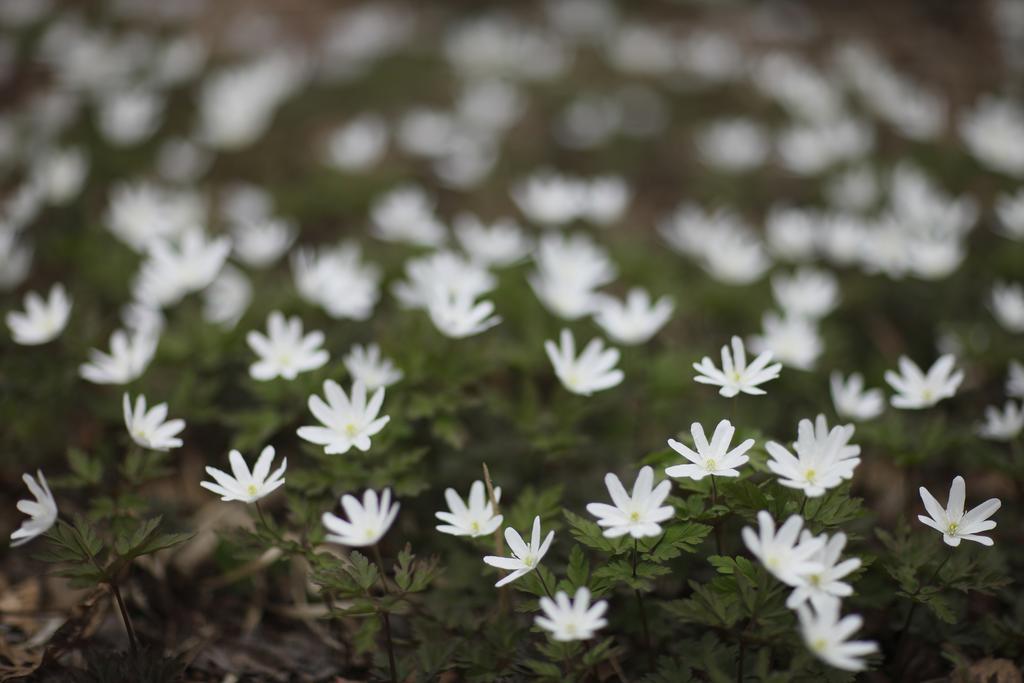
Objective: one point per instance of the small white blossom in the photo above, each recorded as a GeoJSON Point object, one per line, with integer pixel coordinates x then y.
{"type": "Point", "coordinates": [337, 280]}
{"type": "Point", "coordinates": [366, 364]}
{"type": "Point", "coordinates": [1008, 306]}
{"type": "Point", "coordinates": [43, 319]}
{"type": "Point", "coordinates": [1002, 425]}
{"type": "Point", "coordinates": [916, 389]}
{"type": "Point", "coordinates": [525, 558]}
{"type": "Point", "coordinates": [42, 511]}
{"type": "Point", "coordinates": [825, 586]}
{"type": "Point", "coordinates": [824, 458]}
{"type": "Point", "coordinates": [828, 636]}
{"type": "Point", "coordinates": [1015, 379]}
{"type": "Point", "coordinates": [227, 298]}
{"type": "Point", "coordinates": [367, 522]}
{"type": "Point", "coordinates": [572, 620]}
{"type": "Point", "coordinates": [993, 131]}
{"type": "Point", "coordinates": [439, 274]}
{"type": "Point", "coordinates": [952, 522]}
{"type": "Point", "coordinates": [501, 243]}
{"type": "Point", "coordinates": [174, 269]}
{"type": "Point", "coordinates": [406, 214]}
{"type": "Point", "coordinates": [569, 269]}
{"type": "Point", "coordinates": [150, 428]}
{"type": "Point", "coordinates": [359, 144]}
{"type": "Point", "coordinates": [594, 369]}
{"type": "Point", "coordinates": [792, 340]}
{"type": "Point", "coordinates": [550, 199]}
{"type": "Point", "coordinates": [736, 376]}
{"type": "Point", "coordinates": [260, 242]}
{"type": "Point", "coordinates": [714, 459]}
{"type": "Point", "coordinates": [457, 315]}
{"type": "Point", "coordinates": [285, 351]}
{"type": "Point", "coordinates": [128, 358]}
{"type": "Point", "coordinates": [640, 514]}
{"type": "Point", "coordinates": [346, 423]}
{"type": "Point", "coordinates": [1010, 211]}
{"type": "Point", "coordinates": [808, 293]}
{"type": "Point", "coordinates": [733, 145]}
{"type": "Point", "coordinates": [634, 320]}
{"type": "Point", "coordinates": [852, 401]}
{"type": "Point", "coordinates": [243, 485]}
{"type": "Point", "coordinates": [472, 518]}
{"type": "Point", "coordinates": [787, 556]}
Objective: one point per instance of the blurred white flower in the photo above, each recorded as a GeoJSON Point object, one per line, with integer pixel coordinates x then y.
{"type": "Point", "coordinates": [828, 636]}
{"type": "Point", "coordinates": [824, 458]}
{"type": "Point", "coordinates": [785, 554]}
{"type": "Point", "coordinates": [853, 189]}
{"type": "Point", "coordinates": [457, 315]}
{"type": "Point", "coordinates": [150, 428]}
{"type": "Point", "coordinates": [346, 422]}
{"type": "Point", "coordinates": [712, 56]}
{"type": "Point", "coordinates": [594, 369]}
{"type": "Point", "coordinates": [634, 320]}
{"type": "Point", "coordinates": [259, 243]}
{"type": "Point", "coordinates": [792, 340]}
{"type": "Point", "coordinates": [489, 104]}
{"type": "Point", "coordinates": [174, 269]}
{"type": "Point", "coordinates": [736, 375]}
{"type": "Point", "coordinates": [1010, 211]}
{"type": "Point", "coordinates": [502, 243]}
{"type": "Point", "coordinates": [42, 511]}
{"type": "Point", "coordinates": [60, 173]}
{"type": "Point", "coordinates": [825, 587]}
{"type": "Point", "coordinates": [337, 280]}
{"type": "Point", "coordinates": [551, 199]}
{"type": "Point", "coordinates": [606, 200]}
{"type": "Point", "coordinates": [442, 273]}
{"type": "Point", "coordinates": [642, 50]}
{"type": "Point", "coordinates": [734, 145]}
{"type": "Point", "coordinates": [952, 522]}
{"type": "Point", "coordinates": [180, 160]}
{"type": "Point", "coordinates": [639, 514]}
{"type": "Point", "coordinates": [128, 117]}
{"type": "Point", "coordinates": [406, 214]}
{"type": "Point", "coordinates": [811, 149]}
{"type": "Point", "coordinates": [525, 558]}
{"type": "Point", "coordinates": [285, 351]}
{"type": "Point", "coordinates": [143, 318]}
{"type": "Point", "coordinates": [128, 358]}
{"type": "Point", "coordinates": [472, 518]}
{"type": "Point", "coordinates": [43, 319]}
{"type": "Point", "coordinates": [227, 298]}
{"type": "Point", "coordinates": [714, 459]}
{"type": "Point", "coordinates": [367, 522]}
{"type": "Point", "coordinates": [15, 258]}
{"type": "Point", "coordinates": [572, 620]}
{"type": "Point", "coordinates": [993, 131]}
{"type": "Point", "coordinates": [792, 233]}
{"type": "Point", "coordinates": [1015, 379]}
{"type": "Point", "coordinates": [799, 87]}
{"type": "Point", "coordinates": [915, 389]}
{"type": "Point", "coordinates": [852, 401]}
{"type": "Point", "coordinates": [359, 144]}
{"type": "Point", "coordinates": [807, 293]}
{"type": "Point", "coordinates": [569, 269]}
{"type": "Point", "coordinates": [500, 46]}
{"type": "Point", "coordinates": [243, 485]}
{"type": "Point", "coordinates": [1002, 425]}
{"type": "Point", "coordinates": [1007, 305]}
{"type": "Point", "coordinates": [366, 364]}
{"type": "Point", "coordinates": [140, 212]}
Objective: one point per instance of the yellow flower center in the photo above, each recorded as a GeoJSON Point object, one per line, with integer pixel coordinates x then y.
{"type": "Point", "coordinates": [819, 645]}
{"type": "Point", "coordinates": [711, 465]}
{"type": "Point", "coordinates": [810, 474]}
{"type": "Point", "coordinates": [634, 516]}
{"type": "Point", "coordinates": [475, 526]}
{"type": "Point", "coordinates": [952, 528]}
{"type": "Point", "coordinates": [350, 430]}
{"type": "Point", "coordinates": [251, 489]}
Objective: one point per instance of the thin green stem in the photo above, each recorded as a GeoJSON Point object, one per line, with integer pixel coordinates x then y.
{"type": "Point", "coordinates": [544, 584]}
{"type": "Point", "coordinates": [640, 602]}
{"type": "Point", "coordinates": [385, 617]}
{"type": "Point", "coordinates": [913, 608]}
{"type": "Point", "coordinates": [133, 640]}
{"type": "Point", "coordinates": [715, 525]}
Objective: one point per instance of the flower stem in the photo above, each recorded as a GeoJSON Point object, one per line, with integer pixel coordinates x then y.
{"type": "Point", "coordinates": [640, 603]}
{"type": "Point", "coordinates": [499, 541]}
{"type": "Point", "coordinates": [910, 613]}
{"type": "Point", "coordinates": [715, 525]}
{"type": "Point", "coordinates": [544, 584]}
{"type": "Point", "coordinates": [385, 617]}
{"type": "Point", "coordinates": [133, 640]}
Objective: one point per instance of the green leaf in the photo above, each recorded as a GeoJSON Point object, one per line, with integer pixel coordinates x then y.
{"type": "Point", "coordinates": [578, 570]}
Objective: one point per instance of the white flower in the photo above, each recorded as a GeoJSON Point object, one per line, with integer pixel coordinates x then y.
{"type": "Point", "coordinates": [569, 269]}
{"type": "Point", "coordinates": [733, 145]}
{"type": "Point", "coordinates": [1002, 425]}
{"type": "Point", "coordinates": [367, 521]}
{"type": "Point", "coordinates": [60, 174]}
{"type": "Point", "coordinates": [572, 620]}
{"type": "Point", "coordinates": [640, 514]}
{"type": "Point", "coordinates": [285, 351]}
{"type": "Point", "coordinates": [1008, 306]}
{"type": "Point", "coordinates": [824, 458]}
{"type": "Point", "coordinates": [245, 486]}
{"type": "Point", "coordinates": [1015, 379]}
{"type": "Point", "coordinates": [150, 428]}
{"type": "Point", "coordinates": [474, 519]}
{"type": "Point", "coordinates": [457, 316]}
{"type": "Point", "coordinates": [42, 511]}
{"type": "Point", "coordinates": [1010, 210]}
{"type": "Point", "coordinates": [441, 273]}
{"type": "Point", "coordinates": [406, 214]}
{"type": "Point", "coordinates": [337, 280]}
{"type": "Point", "coordinates": [347, 423]}
{"type": "Point", "coordinates": [141, 318]}
{"type": "Point", "coordinates": [736, 376]}
{"type": "Point", "coordinates": [852, 400]}
{"type": "Point", "coordinates": [525, 558]}
{"type": "Point", "coordinates": [128, 358]}
{"type": "Point", "coordinates": [792, 340]}
{"type": "Point", "coordinates": [808, 293]}
{"type": "Point", "coordinates": [792, 233]}
{"type": "Point", "coordinates": [714, 459]}
{"type": "Point", "coordinates": [366, 364]}
{"type": "Point", "coordinates": [550, 198]}
{"type": "Point", "coordinates": [827, 636]}
{"type": "Point", "coordinates": [606, 200]}
{"type": "Point", "coordinates": [174, 269]}
{"type": "Point", "coordinates": [993, 131]}
{"type": "Point", "coordinates": [227, 298]}
{"type": "Point", "coordinates": [825, 586]}
{"type": "Point", "coordinates": [358, 144]}
{"type": "Point", "coordinates": [129, 116]}
{"type": "Point", "coordinates": [501, 243]}
{"type": "Point", "coordinates": [787, 556]}
{"type": "Point", "coordinates": [260, 242]}
{"type": "Point", "coordinates": [141, 212]}
{"type": "Point", "coordinates": [635, 320]}
{"type": "Point", "coordinates": [43, 319]}
{"type": "Point", "coordinates": [15, 258]}
{"type": "Point", "coordinates": [594, 369]}
{"type": "Point", "coordinates": [918, 390]}
{"type": "Point", "coordinates": [953, 523]}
